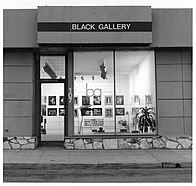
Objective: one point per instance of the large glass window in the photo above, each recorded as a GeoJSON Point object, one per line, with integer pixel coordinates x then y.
{"type": "Point", "coordinates": [52, 67]}
{"type": "Point", "coordinates": [135, 92]}
{"type": "Point", "coordinates": [93, 93]}
{"type": "Point", "coordinates": [114, 95]}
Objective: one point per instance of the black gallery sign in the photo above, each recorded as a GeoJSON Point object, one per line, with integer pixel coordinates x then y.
{"type": "Point", "coordinates": [95, 27]}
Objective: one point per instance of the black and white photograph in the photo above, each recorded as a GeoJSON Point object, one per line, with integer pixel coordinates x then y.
{"type": "Point", "coordinates": [52, 111]}
{"type": "Point", "coordinates": [108, 100]}
{"type": "Point", "coordinates": [120, 111]}
{"type": "Point", "coordinates": [61, 111]}
{"type": "Point", "coordinates": [97, 111]}
{"type": "Point", "coordinates": [61, 100]}
{"type": "Point", "coordinates": [76, 100]}
{"type": "Point", "coordinates": [96, 100]}
{"type": "Point", "coordinates": [85, 100]}
{"type": "Point", "coordinates": [98, 91]}
{"type": "Point", "coordinates": [109, 112]}
{"type": "Point", "coordinates": [51, 100]}
{"type": "Point", "coordinates": [119, 100]}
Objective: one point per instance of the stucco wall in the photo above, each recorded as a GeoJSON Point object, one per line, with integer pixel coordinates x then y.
{"type": "Point", "coordinates": [18, 93]}
{"type": "Point", "coordinates": [170, 28]}
{"type": "Point", "coordinates": [174, 91]}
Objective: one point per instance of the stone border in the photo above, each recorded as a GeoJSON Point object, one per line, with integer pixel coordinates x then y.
{"type": "Point", "coordinates": [19, 143]}
{"type": "Point", "coordinates": [158, 142]}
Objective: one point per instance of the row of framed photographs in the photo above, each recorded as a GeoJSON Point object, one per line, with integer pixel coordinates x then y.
{"type": "Point", "coordinates": [98, 112]}
{"type": "Point", "coordinates": [97, 100]}
{"type": "Point", "coordinates": [52, 100]}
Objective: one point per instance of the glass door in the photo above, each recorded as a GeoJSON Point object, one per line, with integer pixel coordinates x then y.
{"type": "Point", "coordinates": [52, 111]}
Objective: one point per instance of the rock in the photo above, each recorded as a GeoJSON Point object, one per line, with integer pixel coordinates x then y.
{"type": "Point", "coordinates": [79, 144]}
{"type": "Point", "coordinates": [149, 140]}
{"type": "Point", "coordinates": [88, 146]}
{"type": "Point", "coordinates": [145, 145]}
{"type": "Point", "coordinates": [158, 143]}
{"type": "Point", "coordinates": [15, 146]}
{"type": "Point", "coordinates": [97, 145]}
{"type": "Point", "coordinates": [122, 144]}
{"type": "Point", "coordinates": [22, 141]}
{"type": "Point", "coordinates": [186, 143]}
{"type": "Point", "coordinates": [6, 145]}
{"type": "Point", "coordinates": [171, 144]}
{"type": "Point", "coordinates": [26, 146]}
{"type": "Point", "coordinates": [110, 144]}
{"type": "Point", "coordinates": [134, 146]}
{"type": "Point", "coordinates": [69, 147]}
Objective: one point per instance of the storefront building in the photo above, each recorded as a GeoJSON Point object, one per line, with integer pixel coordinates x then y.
{"type": "Point", "coordinates": [98, 77]}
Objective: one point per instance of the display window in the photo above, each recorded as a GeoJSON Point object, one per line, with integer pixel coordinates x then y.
{"type": "Point", "coordinates": [114, 93]}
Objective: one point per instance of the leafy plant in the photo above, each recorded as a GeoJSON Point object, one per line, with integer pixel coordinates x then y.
{"type": "Point", "coordinates": [146, 119]}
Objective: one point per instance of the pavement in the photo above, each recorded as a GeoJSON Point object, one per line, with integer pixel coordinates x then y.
{"type": "Point", "coordinates": [52, 158]}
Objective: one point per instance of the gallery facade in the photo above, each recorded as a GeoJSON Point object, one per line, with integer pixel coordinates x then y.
{"type": "Point", "coordinates": [98, 77]}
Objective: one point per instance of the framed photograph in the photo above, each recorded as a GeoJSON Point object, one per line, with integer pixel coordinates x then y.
{"type": "Point", "coordinates": [75, 113]}
{"type": "Point", "coordinates": [43, 107]}
{"type": "Point", "coordinates": [108, 112]}
{"type": "Point", "coordinates": [135, 110]}
{"type": "Point", "coordinates": [120, 111]}
{"type": "Point", "coordinates": [85, 100]}
{"type": "Point", "coordinates": [51, 100]}
{"type": "Point", "coordinates": [61, 112]}
{"type": "Point", "coordinates": [148, 99]}
{"type": "Point", "coordinates": [136, 99]}
{"type": "Point", "coordinates": [96, 100]}
{"type": "Point", "coordinates": [119, 100]}
{"type": "Point", "coordinates": [97, 111]}
{"type": "Point", "coordinates": [87, 113]}
{"type": "Point", "coordinates": [52, 111]}
{"type": "Point", "coordinates": [108, 100]}
{"type": "Point", "coordinates": [61, 100]}
{"type": "Point", "coordinates": [75, 100]}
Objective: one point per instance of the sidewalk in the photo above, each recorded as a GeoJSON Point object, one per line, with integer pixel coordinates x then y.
{"type": "Point", "coordinates": [57, 158]}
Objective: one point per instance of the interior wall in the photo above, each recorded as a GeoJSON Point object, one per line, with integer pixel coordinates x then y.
{"type": "Point", "coordinates": [174, 91]}
{"type": "Point", "coordinates": [17, 93]}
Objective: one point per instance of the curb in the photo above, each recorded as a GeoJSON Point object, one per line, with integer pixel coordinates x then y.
{"type": "Point", "coordinates": [55, 166]}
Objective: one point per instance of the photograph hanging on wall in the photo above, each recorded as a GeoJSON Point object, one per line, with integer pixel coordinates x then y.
{"type": "Point", "coordinates": [51, 100]}
{"type": "Point", "coordinates": [119, 100]}
{"type": "Point", "coordinates": [52, 111]}
{"type": "Point", "coordinates": [75, 113]}
{"type": "Point", "coordinates": [87, 113]}
{"type": "Point", "coordinates": [97, 111]}
{"type": "Point", "coordinates": [108, 100]}
{"type": "Point", "coordinates": [136, 99]}
{"type": "Point", "coordinates": [135, 110]}
{"type": "Point", "coordinates": [43, 110]}
{"type": "Point", "coordinates": [96, 100]}
{"type": "Point", "coordinates": [61, 112]}
{"type": "Point", "coordinates": [85, 100]}
{"type": "Point", "coordinates": [75, 100]}
{"type": "Point", "coordinates": [120, 111]}
{"type": "Point", "coordinates": [148, 99]}
{"type": "Point", "coordinates": [61, 100]}
{"type": "Point", "coordinates": [108, 112]}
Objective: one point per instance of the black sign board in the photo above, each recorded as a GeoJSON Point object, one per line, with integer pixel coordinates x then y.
{"type": "Point", "coordinates": [95, 27]}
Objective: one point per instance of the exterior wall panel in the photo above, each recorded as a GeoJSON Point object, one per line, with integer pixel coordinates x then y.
{"type": "Point", "coordinates": [169, 90]}
{"type": "Point", "coordinates": [169, 73]}
{"type": "Point", "coordinates": [12, 91]}
{"type": "Point", "coordinates": [174, 91]}
{"type": "Point", "coordinates": [18, 93]}
{"type": "Point", "coordinates": [171, 126]}
{"type": "Point", "coordinates": [170, 108]}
